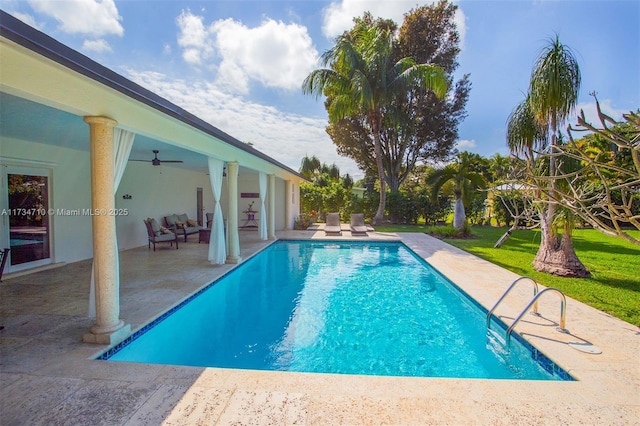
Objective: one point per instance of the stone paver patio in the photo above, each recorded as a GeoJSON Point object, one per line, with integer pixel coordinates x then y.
{"type": "Point", "coordinates": [48, 375]}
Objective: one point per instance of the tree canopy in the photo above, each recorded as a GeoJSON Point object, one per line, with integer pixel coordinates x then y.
{"type": "Point", "coordinates": [362, 78]}
{"type": "Point", "coordinates": [420, 126]}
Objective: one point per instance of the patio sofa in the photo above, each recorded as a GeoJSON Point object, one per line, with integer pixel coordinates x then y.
{"type": "Point", "coordinates": [182, 225]}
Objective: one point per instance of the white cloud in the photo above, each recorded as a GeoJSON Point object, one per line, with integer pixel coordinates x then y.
{"type": "Point", "coordinates": [284, 137]}
{"type": "Point", "coordinates": [465, 144]}
{"type": "Point", "coordinates": [89, 17]}
{"type": "Point", "coordinates": [99, 45]}
{"type": "Point", "coordinates": [194, 38]}
{"type": "Point", "coordinates": [338, 16]}
{"type": "Point", "coordinates": [275, 54]}
{"type": "Point", "coordinates": [591, 112]}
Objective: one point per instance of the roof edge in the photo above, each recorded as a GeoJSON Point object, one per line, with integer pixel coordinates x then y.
{"type": "Point", "coordinates": [30, 38]}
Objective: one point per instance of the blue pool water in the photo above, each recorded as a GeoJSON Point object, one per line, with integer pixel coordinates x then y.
{"type": "Point", "coordinates": [354, 308]}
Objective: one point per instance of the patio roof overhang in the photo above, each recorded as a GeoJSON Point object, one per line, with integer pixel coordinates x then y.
{"type": "Point", "coordinates": [45, 72]}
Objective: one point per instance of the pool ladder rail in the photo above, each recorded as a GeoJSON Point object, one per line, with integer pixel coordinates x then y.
{"type": "Point", "coordinates": [532, 303]}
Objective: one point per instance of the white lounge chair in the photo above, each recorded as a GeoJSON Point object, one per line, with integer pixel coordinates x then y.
{"type": "Point", "coordinates": [357, 225]}
{"type": "Point", "coordinates": [332, 224]}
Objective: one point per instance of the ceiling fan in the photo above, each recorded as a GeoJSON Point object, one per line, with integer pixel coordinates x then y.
{"type": "Point", "coordinates": [156, 161]}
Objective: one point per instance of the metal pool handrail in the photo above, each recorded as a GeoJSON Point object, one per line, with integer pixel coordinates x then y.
{"type": "Point", "coordinates": [535, 292]}
{"type": "Point", "coordinates": [563, 312]}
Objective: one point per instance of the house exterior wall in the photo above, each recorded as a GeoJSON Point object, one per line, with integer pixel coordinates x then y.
{"type": "Point", "coordinates": [280, 203]}
{"type": "Point", "coordinates": [69, 189]}
{"type": "Point", "coordinates": [248, 183]}
{"type": "Point", "coordinates": [156, 192]}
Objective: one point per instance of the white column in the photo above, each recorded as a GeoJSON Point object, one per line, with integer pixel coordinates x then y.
{"type": "Point", "coordinates": [232, 219]}
{"type": "Point", "coordinates": [287, 204]}
{"type": "Point", "coordinates": [271, 225]}
{"type": "Point", "coordinates": [109, 328]}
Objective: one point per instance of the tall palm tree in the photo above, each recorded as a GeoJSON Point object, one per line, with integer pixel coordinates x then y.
{"type": "Point", "coordinates": [361, 78]}
{"type": "Point", "coordinates": [465, 179]}
{"type": "Point", "coordinates": [553, 95]}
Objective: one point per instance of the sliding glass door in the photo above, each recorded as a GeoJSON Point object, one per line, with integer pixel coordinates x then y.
{"type": "Point", "coordinates": [25, 218]}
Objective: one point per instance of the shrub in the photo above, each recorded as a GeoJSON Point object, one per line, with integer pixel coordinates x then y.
{"type": "Point", "coordinates": [401, 208]}
{"type": "Point", "coordinates": [451, 232]}
{"type": "Point", "coordinates": [433, 212]}
{"type": "Point", "coordinates": [303, 221]}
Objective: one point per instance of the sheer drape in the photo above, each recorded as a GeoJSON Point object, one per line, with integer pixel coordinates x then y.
{"type": "Point", "coordinates": [122, 143]}
{"type": "Point", "coordinates": [217, 249]}
{"type": "Point", "coordinates": [262, 225]}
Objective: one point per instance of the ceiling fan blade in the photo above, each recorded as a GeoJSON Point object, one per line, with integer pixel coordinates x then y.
{"type": "Point", "coordinates": [145, 161]}
{"type": "Point", "coordinates": [171, 161]}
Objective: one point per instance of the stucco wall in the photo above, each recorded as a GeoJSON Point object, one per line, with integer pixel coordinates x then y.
{"type": "Point", "coordinates": [70, 189]}
{"type": "Point", "coordinates": [248, 183]}
{"type": "Point", "coordinates": [157, 191]}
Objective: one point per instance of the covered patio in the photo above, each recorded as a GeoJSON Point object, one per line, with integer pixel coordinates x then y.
{"type": "Point", "coordinates": [105, 153]}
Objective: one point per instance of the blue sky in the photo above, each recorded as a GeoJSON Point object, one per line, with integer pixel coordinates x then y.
{"type": "Point", "coordinates": [239, 64]}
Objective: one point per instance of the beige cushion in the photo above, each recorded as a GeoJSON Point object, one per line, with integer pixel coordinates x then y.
{"type": "Point", "coordinates": [179, 224]}
{"type": "Point", "coordinates": [192, 222]}
{"type": "Point", "coordinates": [165, 230]}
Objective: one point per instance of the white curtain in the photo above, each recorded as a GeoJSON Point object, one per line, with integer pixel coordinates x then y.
{"type": "Point", "coordinates": [217, 246]}
{"type": "Point", "coordinates": [122, 143]}
{"type": "Point", "coordinates": [262, 226]}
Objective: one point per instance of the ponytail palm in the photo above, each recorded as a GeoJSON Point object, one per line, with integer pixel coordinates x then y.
{"type": "Point", "coordinates": [524, 133]}
{"type": "Point", "coordinates": [361, 78]}
{"type": "Point", "coordinates": [553, 95]}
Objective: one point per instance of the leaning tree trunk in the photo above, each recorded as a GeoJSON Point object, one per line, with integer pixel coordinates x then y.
{"type": "Point", "coordinates": [459, 216]}
{"type": "Point", "coordinates": [375, 121]}
{"type": "Point", "coordinates": [556, 255]}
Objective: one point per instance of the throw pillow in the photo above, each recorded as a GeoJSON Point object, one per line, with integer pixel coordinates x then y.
{"type": "Point", "coordinates": [179, 224]}
{"type": "Point", "coordinates": [165, 230]}
{"type": "Point", "coordinates": [192, 222]}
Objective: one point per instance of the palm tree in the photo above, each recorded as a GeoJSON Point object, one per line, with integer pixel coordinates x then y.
{"type": "Point", "coordinates": [525, 134]}
{"type": "Point", "coordinates": [310, 167]}
{"type": "Point", "coordinates": [362, 78]}
{"type": "Point", "coordinates": [553, 95]}
{"type": "Point", "coordinates": [465, 179]}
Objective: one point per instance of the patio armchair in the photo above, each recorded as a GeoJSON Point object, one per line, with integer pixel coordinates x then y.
{"type": "Point", "coordinates": [182, 225]}
{"type": "Point", "coordinates": [209, 220]}
{"type": "Point", "coordinates": [159, 234]}
{"type": "Point", "coordinates": [357, 225]}
{"type": "Point", "coordinates": [332, 224]}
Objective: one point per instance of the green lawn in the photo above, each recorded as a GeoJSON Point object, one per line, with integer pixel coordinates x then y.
{"type": "Point", "coordinates": [614, 286]}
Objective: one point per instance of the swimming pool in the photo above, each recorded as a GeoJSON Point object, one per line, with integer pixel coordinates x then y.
{"type": "Point", "coordinates": [348, 307]}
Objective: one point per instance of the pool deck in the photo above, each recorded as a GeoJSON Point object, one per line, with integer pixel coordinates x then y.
{"type": "Point", "coordinates": [47, 375]}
